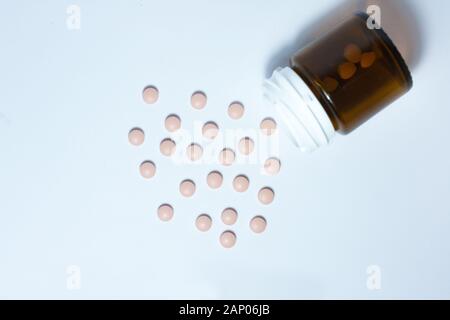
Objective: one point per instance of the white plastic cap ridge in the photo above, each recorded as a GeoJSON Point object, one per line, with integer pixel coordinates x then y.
{"type": "Point", "coordinates": [309, 127]}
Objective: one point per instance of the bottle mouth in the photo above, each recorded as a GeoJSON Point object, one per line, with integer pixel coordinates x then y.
{"type": "Point", "coordinates": [307, 123]}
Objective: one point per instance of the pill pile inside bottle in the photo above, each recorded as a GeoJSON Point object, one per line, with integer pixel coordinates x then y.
{"type": "Point", "coordinates": [347, 69]}
{"type": "Point", "coordinates": [214, 180]}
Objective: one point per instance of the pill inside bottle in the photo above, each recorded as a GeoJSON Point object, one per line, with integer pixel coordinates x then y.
{"type": "Point", "coordinates": [337, 82]}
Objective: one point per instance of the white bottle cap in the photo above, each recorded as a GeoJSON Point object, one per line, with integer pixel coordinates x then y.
{"type": "Point", "coordinates": [309, 126]}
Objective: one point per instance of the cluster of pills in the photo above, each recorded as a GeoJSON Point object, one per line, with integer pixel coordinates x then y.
{"type": "Point", "coordinates": [214, 179]}
{"type": "Point", "coordinates": [353, 56]}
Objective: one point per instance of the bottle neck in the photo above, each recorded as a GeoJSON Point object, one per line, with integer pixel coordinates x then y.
{"type": "Point", "coordinates": [307, 123]}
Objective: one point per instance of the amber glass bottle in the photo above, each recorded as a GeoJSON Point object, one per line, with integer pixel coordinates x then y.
{"type": "Point", "coordinates": [338, 82]}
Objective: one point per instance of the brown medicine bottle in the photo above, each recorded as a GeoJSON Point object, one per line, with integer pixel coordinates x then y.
{"type": "Point", "coordinates": [338, 82]}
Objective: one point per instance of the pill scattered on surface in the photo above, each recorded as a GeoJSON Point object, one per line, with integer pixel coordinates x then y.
{"type": "Point", "coordinates": [228, 239]}
{"type": "Point", "coordinates": [187, 188]}
{"type": "Point", "coordinates": [241, 183]}
{"type": "Point", "coordinates": [172, 123]}
{"type": "Point", "coordinates": [236, 110]}
{"type": "Point", "coordinates": [136, 136]}
{"type": "Point", "coordinates": [346, 70]}
{"type": "Point", "coordinates": [272, 166]}
{"type": "Point", "coordinates": [214, 179]}
{"type": "Point", "coordinates": [246, 146]}
{"type": "Point", "coordinates": [210, 130]}
{"type": "Point", "coordinates": [227, 157]}
{"type": "Point", "coordinates": [194, 151]}
{"type": "Point", "coordinates": [367, 59]}
{"type": "Point", "coordinates": [150, 94]}
{"type": "Point", "coordinates": [266, 195]}
{"type": "Point", "coordinates": [165, 212]}
{"type": "Point", "coordinates": [229, 216]}
{"type": "Point", "coordinates": [198, 100]}
{"type": "Point", "coordinates": [147, 169]}
{"type": "Point", "coordinates": [203, 222]}
{"type": "Point", "coordinates": [258, 224]}
{"type": "Point", "coordinates": [352, 53]}
{"type": "Point", "coordinates": [268, 126]}
{"type": "Point", "coordinates": [167, 147]}
{"type": "Point", "coordinates": [330, 84]}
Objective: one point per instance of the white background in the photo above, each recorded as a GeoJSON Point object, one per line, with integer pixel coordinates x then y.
{"type": "Point", "coordinates": [70, 192]}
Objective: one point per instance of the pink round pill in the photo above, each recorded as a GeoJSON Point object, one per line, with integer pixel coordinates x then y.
{"type": "Point", "coordinates": [229, 216]}
{"type": "Point", "coordinates": [167, 147]}
{"type": "Point", "coordinates": [165, 212]}
{"type": "Point", "coordinates": [210, 130]}
{"type": "Point", "coordinates": [136, 136]}
{"type": "Point", "coordinates": [266, 195]}
{"type": "Point", "coordinates": [198, 100]}
{"type": "Point", "coordinates": [150, 94]}
{"type": "Point", "coordinates": [228, 239]}
{"type": "Point", "coordinates": [227, 157]}
{"type": "Point", "coordinates": [203, 222]}
{"type": "Point", "coordinates": [214, 179]}
{"type": "Point", "coordinates": [172, 123]}
{"type": "Point", "coordinates": [258, 224]}
{"type": "Point", "coordinates": [241, 183]}
{"type": "Point", "coordinates": [236, 110]}
{"type": "Point", "coordinates": [187, 188]}
{"type": "Point", "coordinates": [147, 169]}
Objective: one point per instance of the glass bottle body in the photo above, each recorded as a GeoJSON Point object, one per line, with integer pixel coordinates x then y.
{"type": "Point", "coordinates": [354, 72]}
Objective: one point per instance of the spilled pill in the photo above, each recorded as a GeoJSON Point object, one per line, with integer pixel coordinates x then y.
{"type": "Point", "coordinates": [266, 195]}
{"type": "Point", "coordinates": [194, 151]}
{"type": "Point", "coordinates": [229, 216]}
{"type": "Point", "coordinates": [203, 222]}
{"type": "Point", "coordinates": [172, 123]}
{"type": "Point", "coordinates": [228, 239]}
{"type": "Point", "coordinates": [241, 183]}
{"type": "Point", "coordinates": [210, 130]}
{"type": "Point", "coordinates": [150, 94]}
{"type": "Point", "coordinates": [136, 136]}
{"type": "Point", "coordinates": [198, 100]}
{"type": "Point", "coordinates": [147, 169]}
{"type": "Point", "coordinates": [167, 147]}
{"type": "Point", "coordinates": [272, 166]}
{"type": "Point", "coordinates": [236, 110]}
{"type": "Point", "coordinates": [214, 179]}
{"type": "Point", "coordinates": [258, 224]}
{"type": "Point", "coordinates": [165, 212]}
{"type": "Point", "coordinates": [227, 157]}
{"type": "Point", "coordinates": [268, 126]}
{"type": "Point", "coordinates": [187, 188]}
{"type": "Point", "coordinates": [246, 146]}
